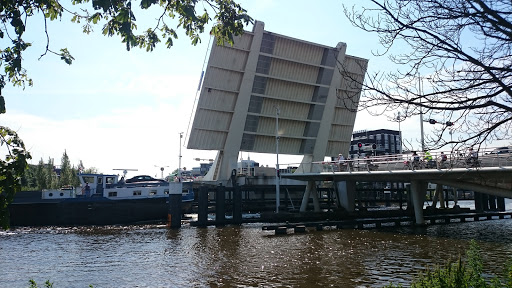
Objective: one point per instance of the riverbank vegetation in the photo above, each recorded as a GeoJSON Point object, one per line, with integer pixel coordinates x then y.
{"type": "Point", "coordinates": [463, 273]}
{"type": "Point", "coordinates": [50, 176]}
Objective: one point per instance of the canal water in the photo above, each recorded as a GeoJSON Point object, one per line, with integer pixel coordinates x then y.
{"type": "Point", "coordinates": [246, 256]}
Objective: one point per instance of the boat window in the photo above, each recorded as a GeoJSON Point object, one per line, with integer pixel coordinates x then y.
{"type": "Point", "coordinates": [50, 194]}
{"type": "Point", "coordinates": [88, 179]}
{"type": "Point", "coordinates": [112, 194]}
{"type": "Point", "coordinates": [110, 180]}
{"type": "Point", "coordinates": [61, 194]}
{"type": "Point", "coordinates": [166, 191]}
{"type": "Point", "coordinates": [152, 192]}
{"type": "Point", "coordinates": [137, 192]}
{"type": "Point", "coordinates": [100, 180]}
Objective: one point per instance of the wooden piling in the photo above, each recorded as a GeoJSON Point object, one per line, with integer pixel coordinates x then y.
{"type": "Point", "coordinates": [202, 206]}
{"type": "Point", "coordinates": [299, 229]}
{"type": "Point", "coordinates": [281, 230]}
{"type": "Point", "coordinates": [237, 205]}
{"type": "Point", "coordinates": [220, 205]}
{"type": "Point", "coordinates": [174, 214]}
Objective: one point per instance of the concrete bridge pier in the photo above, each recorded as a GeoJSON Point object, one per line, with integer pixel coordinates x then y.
{"type": "Point", "coordinates": [311, 191]}
{"type": "Point", "coordinates": [347, 194]}
{"type": "Point", "coordinates": [418, 191]}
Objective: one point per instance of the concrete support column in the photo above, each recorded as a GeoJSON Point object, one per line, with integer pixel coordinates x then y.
{"type": "Point", "coordinates": [347, 194]}
{"type": "Point", "coordinates": [310, 192]}
{"type": "Point", "coordinates": [479, 207]}
{"type": "Point", "coordinates": [442, 203]}
{"type": "Point", "coordinates": [492, 202]}
{"type": "Point", "coordinates": [418, 190]}
{"type": "Point", "coordinates": [501, 204]}
{"type": "Point", "coordinates": [438, 196]}
{"type": "Point", "coordinates": [455, 197]}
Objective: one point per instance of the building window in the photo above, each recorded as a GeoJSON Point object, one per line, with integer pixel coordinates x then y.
{"type": "Point", "coordinates": [263, 65]}
{"type": "Point", "coordinates": [267, 43]}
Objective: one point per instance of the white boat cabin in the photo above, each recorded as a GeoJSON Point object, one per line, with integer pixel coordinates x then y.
{"type": "Point", "coordinates": [108, 186]}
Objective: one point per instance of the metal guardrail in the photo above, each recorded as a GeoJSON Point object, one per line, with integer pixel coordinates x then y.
{"type": "Point", "coordinates": [406, 162]}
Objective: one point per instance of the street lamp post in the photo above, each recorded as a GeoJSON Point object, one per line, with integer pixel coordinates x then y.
{"type": "Point", "coordinates": [399, 131]}
{"type": "Point", "coordinates": [162, 169]}
{"type": "Point", "coordinates": [451, 137]}
{"type": "Point", "coordinates": [179, 159]}
{"type": "Point", "coordinates": [421, 116]}
{"type": "Point", "coordinates": [277, 159]}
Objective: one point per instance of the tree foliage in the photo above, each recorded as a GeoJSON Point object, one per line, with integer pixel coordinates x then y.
{"type": "Point", "coordinates": [51, 175]}
{"type": "Point", "coordinates": [11, 169]}
{"type": "Point", "coordinates": [454, 65]}
{"type": "Point", "coordinates": [66, 173]}
{"type": "Point", "coordinates": [41, 175]}
{"type": "Point", "coordinates": [118, 18]}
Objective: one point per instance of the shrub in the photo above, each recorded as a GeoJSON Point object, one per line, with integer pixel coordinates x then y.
{"type": "Point", "coordinates": [462, 274]}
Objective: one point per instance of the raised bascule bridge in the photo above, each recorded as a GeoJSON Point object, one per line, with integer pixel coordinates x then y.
{"type": "Point", "coordinates": [270, 93]}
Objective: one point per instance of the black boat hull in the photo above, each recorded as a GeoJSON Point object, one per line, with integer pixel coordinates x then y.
{"type": "Point", "coordinates": [90, 211]}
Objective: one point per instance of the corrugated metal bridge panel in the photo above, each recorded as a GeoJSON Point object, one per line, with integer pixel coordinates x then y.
{"type": "Point", "coordinates": [218, 100]}
{"type": "Point", "coordinates": [298, 50]}
{"type": "Point", "coordinates": [222, 79]}
{"type": "Point", "coordinates": [207, 139]}
{"type": "Point", "coordinates": [289, 90]}
{"type": "Point", "coordinates": [293, 71]}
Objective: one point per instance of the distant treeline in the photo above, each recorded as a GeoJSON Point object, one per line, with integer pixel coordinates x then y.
{"type": "Point", "coordinates": [48, 176]}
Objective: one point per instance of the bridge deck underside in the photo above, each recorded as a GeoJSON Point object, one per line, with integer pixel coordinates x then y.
{"type": "Point", "coordinates": [490, 180]}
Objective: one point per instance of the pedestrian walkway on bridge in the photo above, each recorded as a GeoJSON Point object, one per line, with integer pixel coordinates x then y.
{"type": "Point", "coordinates": [438, 160]}
{"type": "Point", "coordinates": [491, 175]}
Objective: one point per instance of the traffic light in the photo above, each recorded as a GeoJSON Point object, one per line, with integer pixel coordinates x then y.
{"type": "Point", "coordinates": [432, 121]}
{"type": "Point", "coordinates": [374, 146]}
{"type": "Point", "coordinates": [359, 145]}
{"type": "Point", "coordinates": [448, 123]}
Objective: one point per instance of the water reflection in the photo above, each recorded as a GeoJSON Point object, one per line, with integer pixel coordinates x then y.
{"type": "Point", "coordinates": [153, 256]}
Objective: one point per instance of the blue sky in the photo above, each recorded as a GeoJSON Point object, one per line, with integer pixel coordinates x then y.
{"type": "Point", "coordinates": [115, 109]}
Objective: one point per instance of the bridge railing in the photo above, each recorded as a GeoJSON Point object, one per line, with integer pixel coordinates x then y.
{"type": "Point", "coordinates": [433, 160]}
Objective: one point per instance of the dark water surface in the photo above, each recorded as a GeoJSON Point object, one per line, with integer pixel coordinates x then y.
{"type": "Point", "coordinates": [246, 256]}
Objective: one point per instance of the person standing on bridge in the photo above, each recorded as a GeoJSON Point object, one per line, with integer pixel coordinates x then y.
{"type": "Point", "coordinates": [341, 162]}
{"type": "Point", "coordinates": [472, 158]}
{"type": "Point", "coordinates": [428, 158]}
{"type": "Point", "coordinates": [442, 160]}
